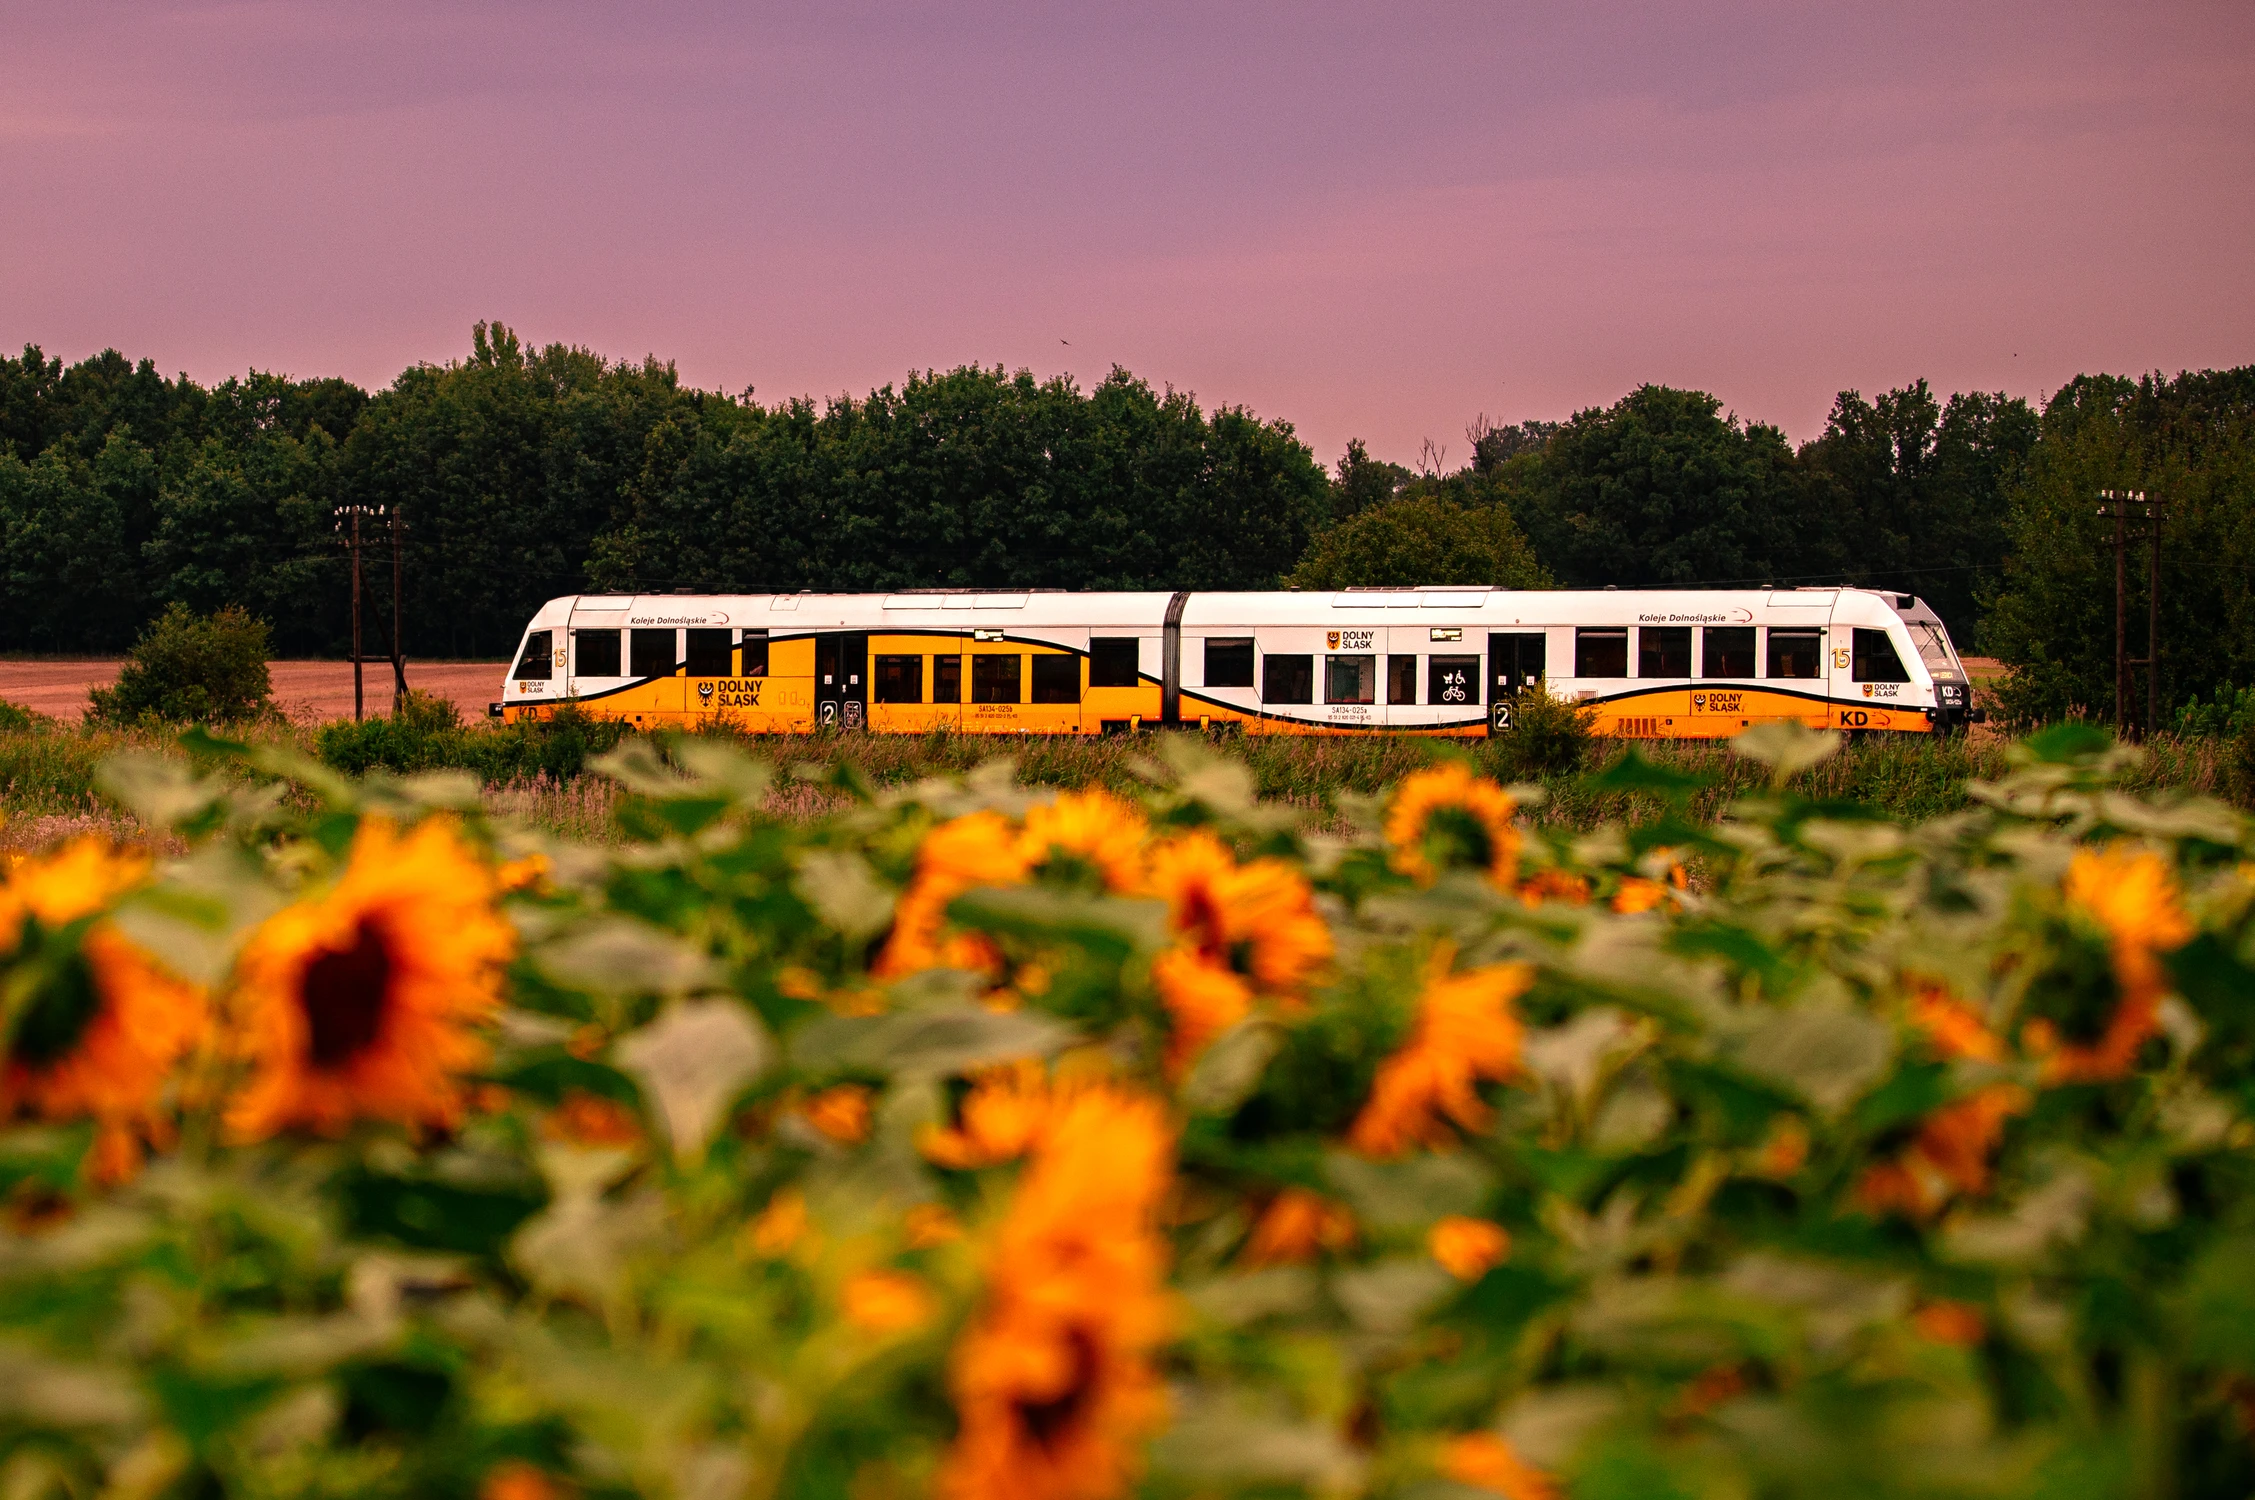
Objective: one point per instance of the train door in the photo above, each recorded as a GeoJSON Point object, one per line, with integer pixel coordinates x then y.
{"type": "Point", "coordinates": [1515, 662]}
{"type": "Point", "coordinates": [841, 680]}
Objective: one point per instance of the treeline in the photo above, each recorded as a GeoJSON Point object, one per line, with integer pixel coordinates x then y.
{"type": "Point", "coordinates": [527, 473]}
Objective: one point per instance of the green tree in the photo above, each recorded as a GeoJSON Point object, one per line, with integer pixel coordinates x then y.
{"type": "Point", "coordinates": [1427, 538]}
{"type": "Point", "coordinates": [2190, 442]}
{"type": "Point", "coordinates": [1364, 483]}
{"type": "Point", "coordinates": [1661, 488]}
{"type": "Point", "coordinates": [1909, 493]}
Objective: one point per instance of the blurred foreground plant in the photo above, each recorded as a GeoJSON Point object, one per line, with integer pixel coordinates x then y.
{"type": "Point", "coordinates": [979, 1142]}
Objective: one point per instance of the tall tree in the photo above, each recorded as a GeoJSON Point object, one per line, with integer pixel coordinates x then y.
{"type": "Point", "coordinates": [1909, 493]}
{"type": "Point", "coordinates": [1662, 488]}
{"type": "Point", "coordinates": [2189, 441]}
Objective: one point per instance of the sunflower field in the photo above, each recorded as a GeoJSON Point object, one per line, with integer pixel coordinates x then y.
{"type": "Point", "coordinates": [976, 1141]}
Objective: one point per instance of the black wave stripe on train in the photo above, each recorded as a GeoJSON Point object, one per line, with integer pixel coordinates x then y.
{"type": "Point", "coordinates": [1763, 686]}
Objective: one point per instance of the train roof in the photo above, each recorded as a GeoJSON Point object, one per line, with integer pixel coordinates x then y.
{"type": "Point", "coordinates": [998, 608]}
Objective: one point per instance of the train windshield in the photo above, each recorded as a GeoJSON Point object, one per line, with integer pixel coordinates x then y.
{"type": "Point", "coordinates": [1934, 647]}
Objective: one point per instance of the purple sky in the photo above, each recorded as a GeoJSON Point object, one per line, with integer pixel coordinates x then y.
{"type": "Point", "coordinates": [1370, 220]}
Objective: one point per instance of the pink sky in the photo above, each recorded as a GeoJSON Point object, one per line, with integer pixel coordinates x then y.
{"type": "Point", "coordinates": [1370, 220]}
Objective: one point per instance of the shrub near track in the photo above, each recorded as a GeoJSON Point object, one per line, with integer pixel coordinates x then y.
{"type": "Point", "coordinates": [980, 1141]}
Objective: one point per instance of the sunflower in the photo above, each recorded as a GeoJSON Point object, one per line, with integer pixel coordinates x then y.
{"type": "Point", "coordinates": [981, 848]}
{"type": "Point", "coordinates": [841, 1113]}
{"type": "Point", "coordinates": [1295, 1226]}
{"type": "Point", "coordinates": [1952, 1028]}
{"type": "Point", "coordinates": [1054, 1382]}
{"type": "Point", "coordinates": [1465, 1032]}
{"type": "Point", "coordinates": [2130, 896]}
{"type": "Point", "coordinates": [362, 1002]}
{"type": "Point", "coordinates": [1949, 1156]}
{"type": "Point", "coordinates": [1555, 885]}
{"type": "Point", "coordinates": [1468, 1248]}
{"type": "Point", "coordinates": [999, 1119]}
{"type": "Point", "coordinates": [1957, 1323]}
{"type": "Point", "coordinates": [886, 1302]}
{"type": "Point", "coordinates": [1461, 818]}
{"type": "Point", "coordinates": [1091, 829]}
{"type": "Point", "coordinates": [1488, 1462]}
{"type": "Point", "coordinates": [106, 1025]}
{"type": "Point", "coordinates": [1242, 931]}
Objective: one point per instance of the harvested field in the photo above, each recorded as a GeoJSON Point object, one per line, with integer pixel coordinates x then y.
{"type": "Point", "coordinates": [310, 692]}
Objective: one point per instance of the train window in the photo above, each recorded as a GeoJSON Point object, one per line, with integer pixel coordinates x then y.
{"type": "Point", "coordinates": [899, 679]}
{"type": "Point", "coordinates": [537, 665]}
{"type": "Point", "coordinates": [1729, 651]}
{"type": "Point", "coordinates": [1057, 679]}
{"type": "Point", "coordinates": [1875, 658]}
{"type": "Point", "coordinates": [1933, 646]}
{"type": "Point", "coordinates": [994, 679]}
{"type": "Point", "coordinates": [652, 651]}
{"type": "Point", "coordinates": [1401, 679]}
{"type": "Point", "coordinates": [598, 653]}
{"type": "Point", "coordinates": [947, 679]}
{"type": "Point", "coordinates": [1796, 653]}
{"type": "Point", "coordinates": [1350, 679]}
{"type": "Point", "coordinates": [1288, 679]}
{"type": "Point", "coordinates": [1601, 653]}
{"type": "Point", "coordinates": [708, 653]}
{"type": "Point", "coordinates": [1112, 661]}
{"type": "Point", "coordinates": [755, 653]}
{"type": "Point", "coordinates": [1453, 681]}
{"type": "Point", "coordinates": [1663, 651]}
{"type": "Point", "coordinates": [1229, 663]}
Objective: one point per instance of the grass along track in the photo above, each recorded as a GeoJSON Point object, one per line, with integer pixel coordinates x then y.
{"type": "Point", "coordinates": [47, 772]}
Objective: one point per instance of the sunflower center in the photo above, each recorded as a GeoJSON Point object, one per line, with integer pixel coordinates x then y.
{"type": "Point", "coordinates": [1050, 1421]}
{"type": "Point", "coordinates": [345, 989]}
{"type": "Point", "coordinates": [58, 1016]}
{"type": "Point", "coordinates": [1201, 923]}
{"type": "Point", "coordinates": [1069, 869]}
{"type": "Point", "coordinates": [1454, 836]}
{"type": "Point", "coordinates": [2077, 992]}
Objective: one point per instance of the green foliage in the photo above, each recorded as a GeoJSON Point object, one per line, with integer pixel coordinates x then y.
{"type": "Point", "coordinates": [2228, 712]}
{"type": "Point", "coordinates": [1663, 488]}
{"type": "Point", "coordinates": [1416, 540]}
{"type": "Point", "coordinates": [2190, 442]}
{"type": "Point", "coordinates": [426, 733]}
{"type": "Point", "coordinates": [1548, 735]}
{"type": "Point", "coordinates": [192, 669]}
{"type": "Point", "coordinates": [632, 1266]}
{"type": "Point", "coordinates": [1911, 492]}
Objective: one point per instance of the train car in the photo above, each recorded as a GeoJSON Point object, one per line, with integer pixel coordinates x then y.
{"type": "Point", "coordinates": [1654, 663]}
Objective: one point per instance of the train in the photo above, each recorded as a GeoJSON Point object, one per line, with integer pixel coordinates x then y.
{"type": "Point", "coordinates": [1436, 660]}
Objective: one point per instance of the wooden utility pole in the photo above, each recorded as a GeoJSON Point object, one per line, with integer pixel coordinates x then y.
{"type": "Point", "coordinates": [2121, 506]}
{"type": "Point", "coordinates": [398, 659]}
{"type": "Point", "coordinates": [351, 539]}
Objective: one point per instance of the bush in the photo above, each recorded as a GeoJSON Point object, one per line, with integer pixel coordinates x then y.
{"type": "Point", "coordinates": [2231, 711]}
{"type": "Point", "coordinates": [192, 669]}
{"type": "Point", "coordinates": [1548, 735]}
{"type": "Point", "coordinates": [426, 733]}
{"type": "Point", "coordinates": [16, 719]}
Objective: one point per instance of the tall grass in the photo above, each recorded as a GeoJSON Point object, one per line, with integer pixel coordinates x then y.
{"type": "Point", "coordinates": [47, 769]}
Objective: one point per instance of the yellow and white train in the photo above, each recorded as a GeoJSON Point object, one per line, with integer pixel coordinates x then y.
{"type": "Point", "coordinates": [1656, 664]}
